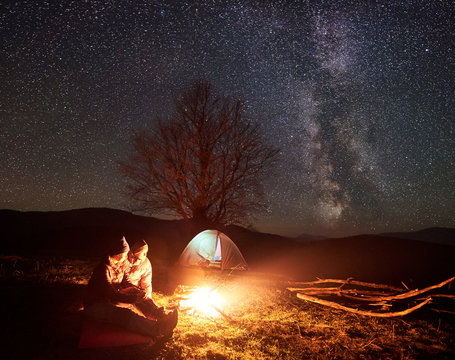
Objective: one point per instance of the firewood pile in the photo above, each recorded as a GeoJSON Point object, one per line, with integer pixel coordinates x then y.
{"type": "Point", "coordinates": [372, 299]}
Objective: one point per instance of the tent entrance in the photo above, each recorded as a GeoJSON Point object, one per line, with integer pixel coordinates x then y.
{"type": "Point", "coordinates": [217, 256]}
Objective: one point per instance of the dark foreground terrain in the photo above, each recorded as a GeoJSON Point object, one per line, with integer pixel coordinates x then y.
{"type": "Point", "coordinates": [41, 298]}
{"type": "Point", "coordinates": [46, 260]}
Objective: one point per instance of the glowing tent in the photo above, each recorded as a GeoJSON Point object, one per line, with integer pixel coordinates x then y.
{"type": "Point", "coordinates": [212, 247]}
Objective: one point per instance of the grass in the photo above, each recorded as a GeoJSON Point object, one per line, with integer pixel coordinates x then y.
{"type": "Point", "coordinates": [268, 322]}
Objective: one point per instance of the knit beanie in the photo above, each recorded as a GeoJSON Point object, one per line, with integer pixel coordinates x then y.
{"type": "Point", "coordinates": [119, 247]}
{"type": "Point", "coordinates": [139, 246]}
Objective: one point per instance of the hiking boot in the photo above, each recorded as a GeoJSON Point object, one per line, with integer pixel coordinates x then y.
{"type": "Point", "coordinates": [168, 322]}
{"type": "Point", "coordinates": [157, 313]}
{"type": "Point", "coordinates": [150, 310]}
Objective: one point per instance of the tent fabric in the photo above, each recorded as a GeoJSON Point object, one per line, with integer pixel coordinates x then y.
{"type": "Point", "coordinates": [213, 245]}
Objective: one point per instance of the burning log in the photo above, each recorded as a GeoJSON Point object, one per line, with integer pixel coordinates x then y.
{"type": "Point", "coordinates": [204, 302]}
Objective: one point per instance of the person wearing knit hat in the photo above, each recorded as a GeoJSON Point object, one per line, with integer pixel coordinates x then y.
{"type": "Point", "coordinates": [140, 275]}
{"type": "Point", "coordinates": [108, 291]}
{"type": "Point", "coordinates": [119, 247]}
{"type": "Point", "coordinates": [108, 278]}
{"type": "Point", "coordinates": [140, 247]}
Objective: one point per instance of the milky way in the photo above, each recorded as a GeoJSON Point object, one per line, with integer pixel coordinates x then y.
{"type": "Point", "coordinates": [359, 98]}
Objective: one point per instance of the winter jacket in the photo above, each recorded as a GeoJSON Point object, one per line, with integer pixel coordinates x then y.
{"type": "Point", "coordinates": [108, 284]}
{"type": "Point", "coordinates": [140, 275]}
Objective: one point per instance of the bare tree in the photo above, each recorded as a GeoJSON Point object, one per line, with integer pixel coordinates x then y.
{"type": "Point", "coordinates": [206, 163]}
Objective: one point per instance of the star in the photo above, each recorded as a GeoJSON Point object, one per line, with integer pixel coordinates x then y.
{"type": "Point", "coordinates": [364, 122]}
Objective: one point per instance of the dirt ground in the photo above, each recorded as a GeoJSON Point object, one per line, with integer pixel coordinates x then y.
{"type": "Point", "coordinates": [41, 320]}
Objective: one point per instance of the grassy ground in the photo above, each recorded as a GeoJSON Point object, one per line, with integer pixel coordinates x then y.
{"type": "Point", "coordinates": [41, 298]}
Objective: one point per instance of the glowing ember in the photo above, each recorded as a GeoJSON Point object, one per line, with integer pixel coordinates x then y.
{"type": "Point", "coordinates": [203, 301]}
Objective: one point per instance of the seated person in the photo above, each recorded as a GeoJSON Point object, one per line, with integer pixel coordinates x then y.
{"type": "Point", "coordinates": [108, 288]}
{"type": "Point", "coordinates": [140, 276]}
{"type": "Point", "coordinates": [140, 273]}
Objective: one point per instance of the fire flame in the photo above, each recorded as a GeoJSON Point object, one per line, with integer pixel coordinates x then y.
{"type": "Point", "coordinates": [203, 301]}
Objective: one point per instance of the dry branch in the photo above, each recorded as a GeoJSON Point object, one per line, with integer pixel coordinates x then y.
{"type": "Point", "coordinates": [221, 312]}
{"type": "Point", "coordinates": [411, 293]}
{"type": "Point", "coordinates": [444, 311]}
{"type": "Point", "coordinates": [444, 296]}
{"type": "Point", "coordinates": [366, 299]}
{"type": "Point", "coordinates": [362, 312]}
{"type": "Point", "coordinates": [337, 291]}
{"type": "Point", "coordinates": [366, 295]}
{"type": "Point", "coordinates": [352, 282]}
{"type": "Point", "coordinates": [375, 298]}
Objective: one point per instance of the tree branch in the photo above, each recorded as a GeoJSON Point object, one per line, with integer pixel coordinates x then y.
{"type": "Point", "coordinates": [363, 312]}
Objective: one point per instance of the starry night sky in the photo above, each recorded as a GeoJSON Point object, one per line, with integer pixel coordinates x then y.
{"type": "Point", "coordinates": [359, 97]}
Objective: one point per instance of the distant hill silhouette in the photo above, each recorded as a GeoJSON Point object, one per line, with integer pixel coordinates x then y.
{"type": "Point", "coordinates": [370, 258]}
{"type": "Point", "coordinates": [435, 235]}
{"type": "Point", "coordinates": [308, 238]}
{"type": "Point", "coordinates": [88, 233]}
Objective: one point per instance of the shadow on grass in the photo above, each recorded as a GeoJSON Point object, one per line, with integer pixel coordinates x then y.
{"type": "Point", "coordinates": [43, 321]}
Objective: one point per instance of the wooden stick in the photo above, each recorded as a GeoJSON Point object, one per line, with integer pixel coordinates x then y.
{"type": "Point", "coordinates": [412, 293]}
{"type": "Point", "coordinates": [337, 291]}
{"type": "Point", "coordinates": [444, 311]}
{"type": "Point", "coordinates": [363, 312]}
{"type": "Point", "coordinates": [221, 312]}
{"type": "Point", "coordinates": [402, 283]}
{"type": "Point", "coordinates": [382, 303]}
{"type": "Point", "coordinates": [359, 298]}
{"type": "Point", "coordinates": [350, 281]}
{"type": "Point", "coordinates": [368, 343]}
{"type": "Point", "coordinates": [327, 289]}
{"type": "Point", "coordinates": [185, 309]}
{"type": "Point", "coordinates": [379, 298]}
{"type": "Point", "coordinates": [444, 296]}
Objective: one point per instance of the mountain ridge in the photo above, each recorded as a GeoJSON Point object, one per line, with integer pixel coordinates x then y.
{"type": "Point", "coordinates": [88, 232]}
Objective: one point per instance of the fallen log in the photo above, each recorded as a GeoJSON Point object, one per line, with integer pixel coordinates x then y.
{"type": "Point", "coordinates": [337, 291]}
{"type": "Point", "coordinates": [311, 289]}
{"type": "Point", "coordinates": [362, 312]}
{"type": "Point", "coordinates": [411, 293]}
{"type": "Point", "coordinates": [351, 281]}
{"type": "Point", "coordinates": [366, 299]}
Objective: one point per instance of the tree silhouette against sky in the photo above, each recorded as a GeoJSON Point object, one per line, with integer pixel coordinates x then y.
{"type": "Point", "coordinates": [207, 162]}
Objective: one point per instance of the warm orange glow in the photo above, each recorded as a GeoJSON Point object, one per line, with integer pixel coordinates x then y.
{"type": "Point", "coordinates": [203, 301]}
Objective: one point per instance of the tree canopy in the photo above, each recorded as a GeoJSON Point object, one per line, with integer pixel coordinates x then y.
{"type": "Point", "coordinates": [206, 162]}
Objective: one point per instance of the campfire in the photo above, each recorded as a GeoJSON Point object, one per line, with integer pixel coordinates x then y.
{"type": "Point", "coordinates": [202, 301]}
